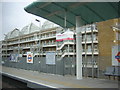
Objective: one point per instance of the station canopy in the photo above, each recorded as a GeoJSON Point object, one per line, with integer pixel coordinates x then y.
{"type": "Point", "coordinates": [89, 12]}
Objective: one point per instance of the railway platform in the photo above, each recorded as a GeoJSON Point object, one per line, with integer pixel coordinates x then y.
{"type": "Point", "coordinates": [36, 79]}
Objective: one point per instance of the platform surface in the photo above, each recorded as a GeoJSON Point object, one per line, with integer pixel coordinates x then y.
{"type": "Point", "coordinates": [57, 81]}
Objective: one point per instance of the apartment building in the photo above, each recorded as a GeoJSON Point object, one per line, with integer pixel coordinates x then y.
{"type": "Point", "coordinates": [30, 38]}
{"type": "Point", "coordinates": [97, 42]}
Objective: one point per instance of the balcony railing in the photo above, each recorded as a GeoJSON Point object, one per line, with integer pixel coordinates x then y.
{"type": "Point", "coordinates": [65, 41]}
{"type": "Point", "coordinates": [48, 37]}
{"type": "Point", "coordinates": [49, 44]}
{"type": "Point", "coordinates": [89, 31]}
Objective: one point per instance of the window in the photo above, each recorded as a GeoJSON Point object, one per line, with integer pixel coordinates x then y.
{"type": "Point", "coordinates": [94, 37]}
{"type": "Point", "coordinates": [89, 48]}
{"type": "Point", "coordinates": [95, 48]}
{"type": "Point", "coordinates": [88, 37]}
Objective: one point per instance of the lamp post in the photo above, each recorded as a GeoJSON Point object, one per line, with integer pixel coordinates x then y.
{"type": "Point", "coordinates": [6, 43]}
{"type": "Point", "coordinates": [35, 46]}
{"type": "Point", "coordinates": [39, 22]}
{"type": "Point", "coordinates": [40, 47]}
{"type": "Point", "coordinates": [39, 34]}
{"type": "Point", "coordinates": [19, 42]}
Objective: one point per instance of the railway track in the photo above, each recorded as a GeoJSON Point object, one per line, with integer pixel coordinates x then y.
{"type": "Point", "coordinates": [11, 84]}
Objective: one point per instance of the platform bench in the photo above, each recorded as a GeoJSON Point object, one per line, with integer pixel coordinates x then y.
{"type": "Point", "coordinates": [113, 71]}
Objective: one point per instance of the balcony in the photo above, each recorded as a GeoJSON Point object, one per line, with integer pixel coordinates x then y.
{"type": "Point", "coordinates": [3, 44]}
{"type": "Point", "coordinates": [5, 54]}
{"type": "Point", "coordinates": [22, 41]}
{"type": "Point", "coordinates": [49, 44]}
{"type": "Point", "coordinates": [4, 49]}
{"type": "Point", "coordinates": [13, 43]}
{"type": "Point", "coordinates": [61, 44]}
{"type": "Point", "coordinates": [27, 41]}
{"type": "Point", "coordinates": [89, 31]}
{"type": "Point", "coordinates": [70, 52]}
{"type": "Point", "coordinates": [89, 42]}
{"type": "Point", "coordinates": [88, 28]}
{"type": "Point", "coordinates": [28, 47]}
{"type": "Point", "coordinates": [48, 37]}
{"type": "Point", "coordinates": [10, 49]}
{"type": "Point", "coordinates": [90, 53]}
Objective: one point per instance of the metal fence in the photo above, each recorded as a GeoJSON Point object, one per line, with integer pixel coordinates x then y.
{"type": "Point", "coordinates": [66, 66]}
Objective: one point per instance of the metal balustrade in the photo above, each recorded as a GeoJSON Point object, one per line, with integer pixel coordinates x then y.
{"type": "Point", "coordinates": [47, 37]}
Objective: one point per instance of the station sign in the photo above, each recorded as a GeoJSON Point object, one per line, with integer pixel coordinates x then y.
{"type": "Point", "coordinates": [118, 57]}
{"type": "Point", "coordinates": [115, 55]}
{"type": "Point", "coordinates": [29, 57]}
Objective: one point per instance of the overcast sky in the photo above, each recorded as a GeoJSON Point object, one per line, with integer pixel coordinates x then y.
{"type": "Point", "coordinates": [14, 16]}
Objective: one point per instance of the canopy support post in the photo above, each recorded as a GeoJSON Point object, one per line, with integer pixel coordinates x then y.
{"type": "Point", "coordinates": [78, 48]}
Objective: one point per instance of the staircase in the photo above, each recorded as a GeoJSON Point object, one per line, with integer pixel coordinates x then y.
{"type": "Point", "coordinates": [65, 43]}
{"type": "Point", "coordinates": [63, 52]}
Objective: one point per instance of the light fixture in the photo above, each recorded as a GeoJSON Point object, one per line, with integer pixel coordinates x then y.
{"type": "Point", "coordinates": [114, 29]}
{"type": "Point", "coordinates": [114, 41]}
